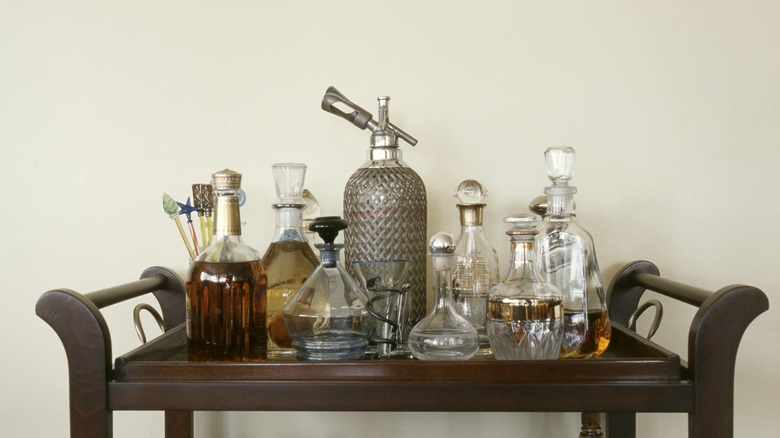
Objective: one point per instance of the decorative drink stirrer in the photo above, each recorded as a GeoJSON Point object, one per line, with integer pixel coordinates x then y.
{"type": "Point", "coordinates": [172, 210]}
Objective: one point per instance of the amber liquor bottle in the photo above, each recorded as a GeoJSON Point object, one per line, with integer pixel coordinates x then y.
{"type": "Point", "coordinates": [226, 287]}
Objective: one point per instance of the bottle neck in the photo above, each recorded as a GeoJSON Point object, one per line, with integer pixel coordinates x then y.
{"type": "Point", "coordinates": [227, 217]}
{"type": "Point", "coordinates": [289, 224]}
{"type": "Point", "coordinates": [522, 266]}
{"type": "Point", "coordinates": [560, 201]}
{"type": "Point", "coordinates": [442, 280]}
{"type": "Point", "coordinates": [384, 157]}
{"type": "Point", "coordinates": [471, 214]}
{"type": "Point", "coordinates": [329, 254]}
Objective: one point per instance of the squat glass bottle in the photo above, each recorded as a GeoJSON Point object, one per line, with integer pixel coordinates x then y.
{"type": "Point", "coordinates": [226, 287]}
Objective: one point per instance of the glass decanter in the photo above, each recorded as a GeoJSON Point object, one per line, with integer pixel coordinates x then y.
{"type": "Point", "coordinates": [443, 334]}
{"type": "Point", "coordinates": [387, 285]}
{"type": "Point", "coordinates": [524, 312]}
{"type": "Point", "coordinates": [476, 262]}
{"type": "Point", "coordinates": [309, 213]}
{"type": "Point", "coordinates": [567, 259]}
{"type": "Point", "coordinates": [289, 259]}
{"type": "Point", "coordinates": [327, 317]}
{"type": "Point", "coordinates": [226, 287]}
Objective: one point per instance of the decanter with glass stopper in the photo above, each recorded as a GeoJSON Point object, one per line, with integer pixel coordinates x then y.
{"type": "Point", "coordinates": [226, 287]}
{"type": "Point", "coordinates": [567, 259]}
{"type": "Point", "coordinates": [524, 312]}
{"type": "Point", "coordinates": [443, 334]}
{"type": "Point", "coordinates": [476, 262]}
{"type": "Point", "coordinates": [289, 259]}
{"type": "Point", "coordinates": [327, 317]}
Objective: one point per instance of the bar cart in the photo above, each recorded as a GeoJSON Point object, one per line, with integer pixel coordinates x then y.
{"type": "Point", "coordinates": [633, 375]}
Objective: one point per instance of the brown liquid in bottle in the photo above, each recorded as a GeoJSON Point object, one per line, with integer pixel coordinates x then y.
{"type": "Point", "coordinates": [289, 264]}
{"type": "Point", "coordinates": [226, 311]}
{"type": "Point", "coordinates": [598, 335]}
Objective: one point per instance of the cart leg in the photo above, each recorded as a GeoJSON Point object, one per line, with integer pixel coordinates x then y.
{"type": "Point", "coordinates": [621, 424]}
{"type": "Point", "coordinates": [178, 424]}
{"type": "Point", "coordinates": [591, 425]}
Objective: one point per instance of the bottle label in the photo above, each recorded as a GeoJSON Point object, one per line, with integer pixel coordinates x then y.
{"type": "Point", "coordinates": [227, 221]}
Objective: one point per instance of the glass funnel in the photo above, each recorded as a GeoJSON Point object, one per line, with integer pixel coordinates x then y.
{"type": "Point", "coordinates": [327, 317]}
{"type": "Point", "coordinates": [443, 334]}
{"type": "Point", "coordinates": [524, 313]}
{"type": "Point", "coordinates": [387, 284]}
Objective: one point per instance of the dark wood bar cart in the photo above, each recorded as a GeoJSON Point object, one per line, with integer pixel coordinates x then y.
{"type": "Point", "coordinates": [633, 375]}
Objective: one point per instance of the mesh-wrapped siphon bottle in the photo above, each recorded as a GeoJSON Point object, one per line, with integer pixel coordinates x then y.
{"type": "Point", "coordinates": [226, 287]}
{"type": "Point", "coordinates": [567, 259]}
{"type": "Point", "coordinates": [384, 201]}
{"type": "Point", "coordinates": [476, 261]}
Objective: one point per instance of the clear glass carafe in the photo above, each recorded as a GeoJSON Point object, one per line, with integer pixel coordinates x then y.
{"type": "Point", "coordinates": [476, 262]}
{"type": "Point", "coordinates": [524, 312]}
{"type": "Point", "coordinates": [289, 259]}
{"type": "Point", "coordinates": [226, 287]}
{"type": "Point", "coordinates": [443, 334]}
{"type": "Point", "coordinates": [567, 259]}
{"type": "Point", "coordinates": [387, 285]}
{"type": "Point", "coordinates": [327, 317]}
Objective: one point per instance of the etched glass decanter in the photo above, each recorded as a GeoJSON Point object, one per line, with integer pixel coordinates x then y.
{"type": "Point", "coordinates": [524, 313]}
{"type": "Point", "coordinates": [289, 260]}
{"type": "Point", "coordinates": [476, 262]}
{"type": "Point", "coordinates": [327, 317]}
{"type": "Point", "coordinates": [567, 259]}
{"type": "Point", "coordinates": [226, 287]}
{"type": "Point", "coordinates": [443, 334]}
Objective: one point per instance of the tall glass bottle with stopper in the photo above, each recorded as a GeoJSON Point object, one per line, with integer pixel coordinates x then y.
{"type": "Point", "coordinates": [289, 260]}
{"type": "Point", "coordinates": [567, 259]}
{"type": "Point", "coordinates": [443, 334]}
{"type": "Point", "coordinates": [476, 262]}
{"type": "Point", "coordinates": [524, 312]}
{"type": "Point", "coordinates": [226, 287]}
{"type": "Point", "coordinates": [384, 200]}
{"type": "Point", "coordinates": [327, 317]}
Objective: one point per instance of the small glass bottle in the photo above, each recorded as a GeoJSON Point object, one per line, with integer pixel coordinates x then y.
{"type": "Point", "coordinates": [476, 262]}
{"type": "Point", "coordinates": [226, 287]}
{"type": "Point", "coordinates": [567, 259]}
{"type": "Point", "coordinates": [443, 334]}
{"type": "Point", "coordinates": [524, 313]}
{"type": "Point", "coordinates": [289, 260]}
{"type": "Point", "coordinates": [327, 317]}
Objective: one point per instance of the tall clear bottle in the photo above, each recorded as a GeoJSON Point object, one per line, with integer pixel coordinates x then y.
{"type": "Point", "coordinates": [476, 262]}
{"type": "Point", "coordinates": [567, 259]}
{"type": "Point", "coordinates": [384, 201]}
{"type": "Point", "coordinates": [289, 259]}
{"type": "Point", "coordinates": [525, 313]}
{"type": "Point", "coordinates": [443, 334]}
{"type": "Point", "coordinates": [226, 287]}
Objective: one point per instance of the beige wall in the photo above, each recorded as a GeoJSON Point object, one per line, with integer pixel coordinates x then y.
{"type": "Point", "coordinates": [673, 107]}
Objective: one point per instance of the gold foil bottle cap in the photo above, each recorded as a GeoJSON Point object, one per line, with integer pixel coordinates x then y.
{"type": "Point", "coordinates": [226, 180]}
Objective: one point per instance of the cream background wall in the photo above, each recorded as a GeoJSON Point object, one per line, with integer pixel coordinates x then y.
{"type": "Point", "coordinates": [672, 106]}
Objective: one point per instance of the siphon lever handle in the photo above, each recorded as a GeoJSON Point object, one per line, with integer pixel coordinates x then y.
{"type": "Point", "coordinates": [358, 117]}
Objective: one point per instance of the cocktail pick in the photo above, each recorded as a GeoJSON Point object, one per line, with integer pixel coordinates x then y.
{"type": "Point", "coordinates": [172, 210]}
{"type": "Point", "coordinates": [187, 209]}
{"type": "Point", "coordinates": [199, 191]}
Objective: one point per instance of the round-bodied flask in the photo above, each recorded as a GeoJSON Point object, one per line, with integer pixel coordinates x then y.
{"type": "Point", "coordinates": [289, 259]}
{"type": "Point", "coordinates": [327, 317]}
{"type": "Point", "coordinates": [443, 334]}
{"type": "Point", "coordinates": [476, 262]}
{"type": "Point", "coordinates": [567, 259]}
{"type": "Point", "coordinates": [524, 313]}
{"type": "Point", "coordinates": [226, 287]}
